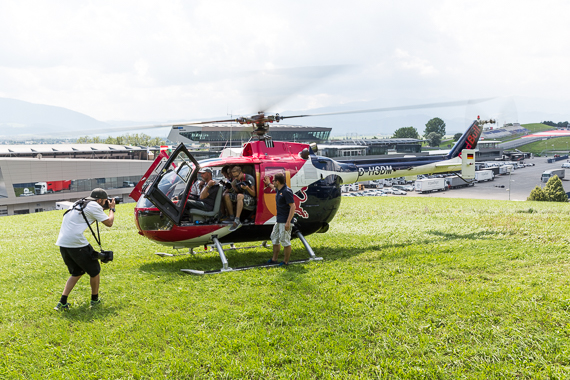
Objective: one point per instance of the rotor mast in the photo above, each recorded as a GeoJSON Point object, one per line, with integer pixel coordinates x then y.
{"type": "Point", "coordinates": [260, 123]}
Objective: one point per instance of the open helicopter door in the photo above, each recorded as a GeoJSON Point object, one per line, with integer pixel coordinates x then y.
{"type": "Point", "coordinates": [169, 191]}
{"type": "Point", "coordinates": [149, 176]}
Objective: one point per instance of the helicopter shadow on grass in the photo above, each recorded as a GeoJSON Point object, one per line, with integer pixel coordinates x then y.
{"type": "Point", "coordinates": [481, 235]}
{"type": "Point", "coordinates": [258, 256]}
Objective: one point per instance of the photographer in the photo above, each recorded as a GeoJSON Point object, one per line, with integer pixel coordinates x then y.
{"type": "Point", "coordinates": [77, 253]}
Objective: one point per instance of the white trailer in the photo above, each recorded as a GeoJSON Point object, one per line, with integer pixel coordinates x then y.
{"type": "Point", "coordinates": [63, 205]}
{"type": "Point", "coordinates": [505, 169]}
{"type": "Point", "coordinates": [429, 185]}
{"type": "Point", "coordinates": [551, 173]}
{"type": "Point", "coordinates": [484, 176]}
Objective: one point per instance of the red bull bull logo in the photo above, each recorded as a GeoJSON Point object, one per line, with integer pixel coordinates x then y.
{"type": "Point", "coordinates": [299, 210]}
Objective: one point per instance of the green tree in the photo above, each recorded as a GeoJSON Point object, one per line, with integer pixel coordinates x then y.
{"type": "Point", "coordinates": [127, 139]}
{"type": "Point", "coordinates": [537, 195]}
{"type": "Point", "coordinates": [457, 136]}
{"type": "Point", "coordinates": [435, 125]}
{"type": "Point", "coordinates": [554, 190]}
{"type": "Point", "coordinates": [434, 139]}
{"type": "Point", "coordinates": [406, 133]}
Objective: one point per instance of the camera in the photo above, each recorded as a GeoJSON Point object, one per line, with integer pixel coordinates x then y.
{"type": "Point", "coordinates": [106, 204]}
{"type": "Point", "coordinates": [226, 184]}
{"type": "Point", "coordinates": [104, 256]}
{"type": "Point", "coordinates": [244, 183]}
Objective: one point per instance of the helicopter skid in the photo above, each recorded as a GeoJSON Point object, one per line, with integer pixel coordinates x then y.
{"type": "Point", "coordinates": [201, 272]}
{"type": "Point", "coordinates": [226, 268]}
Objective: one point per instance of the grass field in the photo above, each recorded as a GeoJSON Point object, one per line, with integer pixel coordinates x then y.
{"type": "Point", "coordinates": [409, 288]}
{"type": "Point", "coordinates": [537, 127]}
{"type": "Point", "coordinates": [558, 144]}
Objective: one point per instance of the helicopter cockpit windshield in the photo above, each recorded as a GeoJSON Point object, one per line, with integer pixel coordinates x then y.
{"type": "Point", "coordinates": [169, 189]}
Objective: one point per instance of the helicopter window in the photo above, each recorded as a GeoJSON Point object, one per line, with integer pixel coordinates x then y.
{"type": "Point", "coordinates": [153, 175]}
{"type": "Point", "coordinates": [174, 180]}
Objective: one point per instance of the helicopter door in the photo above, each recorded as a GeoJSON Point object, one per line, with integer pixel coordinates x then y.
{"type": "Point", "coordinates": [268, 195]}
{"type": "Point", "coordinates": [169, 191]}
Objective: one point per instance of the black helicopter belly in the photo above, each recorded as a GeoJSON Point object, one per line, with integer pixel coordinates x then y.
{"type": "Point", "coordinates": [323, 201]}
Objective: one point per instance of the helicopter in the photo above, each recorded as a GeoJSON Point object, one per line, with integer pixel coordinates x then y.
{"type": "Point", "coordinates": [161, 214]}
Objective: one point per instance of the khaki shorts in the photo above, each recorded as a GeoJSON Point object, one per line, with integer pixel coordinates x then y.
{"type": "Point", "coordinates": [280, 236]}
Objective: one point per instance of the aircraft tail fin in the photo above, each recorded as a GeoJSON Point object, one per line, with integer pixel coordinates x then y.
{"type": "Point", "coordinates": [468, 140]}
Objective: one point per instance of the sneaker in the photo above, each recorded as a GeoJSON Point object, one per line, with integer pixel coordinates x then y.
{"type": "Point", "coordinates": [61, 307]}
{"type": "Point", "coordinates": [235, 226]}
{"type": "Point", "coordinates": [283, 263]}
{"type": "Point", "coordinates": [270, 261]}
{"type": "Point", "coordinates": [228, 219]}
{"type": "Point", "coordinates": [96, 303]}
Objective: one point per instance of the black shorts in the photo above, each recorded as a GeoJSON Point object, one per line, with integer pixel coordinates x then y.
{"type": "Point", "coordinates": [81, 260]}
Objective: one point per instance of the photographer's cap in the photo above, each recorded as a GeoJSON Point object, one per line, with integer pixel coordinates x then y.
{"type": "Point", "coordinates": [97, 193]}
{"type": "Point", "coordinates": [205, 170]}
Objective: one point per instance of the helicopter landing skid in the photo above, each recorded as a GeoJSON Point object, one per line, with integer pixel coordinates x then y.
{"type": "Point", "coordinates": [226, 268]}
{"type": "Point", "coordinates": [164, 254]}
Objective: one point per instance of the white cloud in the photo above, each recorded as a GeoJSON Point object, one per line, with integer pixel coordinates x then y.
{"type": "Point", "coordinates": [144, 60]}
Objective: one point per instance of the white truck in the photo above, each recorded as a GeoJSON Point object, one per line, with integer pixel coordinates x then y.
{"type": "Point", "coordinates": [27, 193]}
{"type": "Point", "coordinates": [484, 176]}
{"type": "Point", "coordinates": [63, 205]}
{"type": "Point", "coordinates": [551, 173]}
{"type": "Point", "coordinates": [429, 185]}
{"type": "Point", "coordinates": [505, 169]}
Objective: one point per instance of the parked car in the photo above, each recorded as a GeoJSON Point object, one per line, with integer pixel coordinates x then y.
{"type": "Point", "coordinates": [399, 192]}
{"type": "Point", "coordinates": [566, 165]}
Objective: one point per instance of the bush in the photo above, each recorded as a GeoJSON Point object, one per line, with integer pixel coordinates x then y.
{"type": "Point", "coordinates": [537, 195]}
{"type": "Point", "coordinates": [553, 192]}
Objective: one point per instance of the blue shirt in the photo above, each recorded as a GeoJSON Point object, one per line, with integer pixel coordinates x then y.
{"type": "Point", "coordinates": [283, 199]}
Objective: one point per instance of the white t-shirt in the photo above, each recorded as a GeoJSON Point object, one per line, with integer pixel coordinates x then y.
{"type": "Point", "coordinates": [73, 225]}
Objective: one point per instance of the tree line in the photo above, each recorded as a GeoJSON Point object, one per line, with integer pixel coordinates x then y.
{"type": "Point", "coordinates": [433, 133]}
{"type": "Point", "coordinates": [127, 139]}
{"type": "Point", "coordinates": [560, 124]}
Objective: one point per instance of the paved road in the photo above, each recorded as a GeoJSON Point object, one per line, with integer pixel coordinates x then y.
{"type": "Point", "coordinates": [522, 182]}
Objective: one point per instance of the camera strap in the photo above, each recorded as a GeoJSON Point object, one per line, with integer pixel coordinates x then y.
{"type": "Point", "coordinates": [98, 237]}
{"type": "Point", "coordinates": [82, 204]}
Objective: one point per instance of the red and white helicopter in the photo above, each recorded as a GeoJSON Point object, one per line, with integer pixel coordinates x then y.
{"type": "Point", "coordinates": [161, 214]}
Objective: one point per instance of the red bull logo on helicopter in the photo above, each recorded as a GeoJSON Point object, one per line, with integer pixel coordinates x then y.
{"type": "Point", "coordinates": [299, 210]}
{"type": "Point", "coordinates": [375, 170]}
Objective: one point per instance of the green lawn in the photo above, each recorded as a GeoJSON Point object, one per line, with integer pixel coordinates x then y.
{"type": "Point", "coordinates": [561, 144]}
{"type": "Point", "coordinates": [537, 127]}
{"type": "Point", "coordinates": [409, 288]}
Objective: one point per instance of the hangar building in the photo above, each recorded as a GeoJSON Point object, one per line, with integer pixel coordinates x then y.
{"type": "Point", "coordinates": [34, 177]}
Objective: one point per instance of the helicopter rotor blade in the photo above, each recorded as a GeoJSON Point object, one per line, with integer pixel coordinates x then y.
{"type": "Point", "coordinates": [271, 87]}
{"type": "Point", "coordinates": [400, 108]}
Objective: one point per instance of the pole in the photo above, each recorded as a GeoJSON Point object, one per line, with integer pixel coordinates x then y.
{"type": "Point", "coordinates": [510, 185]}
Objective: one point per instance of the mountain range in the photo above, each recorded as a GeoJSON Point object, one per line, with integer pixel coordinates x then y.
{"type": "Point", "coordinates": [23, 120]}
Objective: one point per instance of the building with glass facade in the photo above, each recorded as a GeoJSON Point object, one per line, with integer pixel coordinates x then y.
{"type": "Point", "coordinates": [221, 136]}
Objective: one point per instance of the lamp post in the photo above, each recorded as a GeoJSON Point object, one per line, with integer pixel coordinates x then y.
{"type": "Point", "coordinates": [511, 172]}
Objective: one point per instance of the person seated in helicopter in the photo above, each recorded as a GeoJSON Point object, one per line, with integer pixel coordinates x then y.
{"type": "Point", "coordinates": [208, 191]}
{"type": "Point", "coordinates": [226, 187]}
{"type": "Point", "coordinates": [243, 186]}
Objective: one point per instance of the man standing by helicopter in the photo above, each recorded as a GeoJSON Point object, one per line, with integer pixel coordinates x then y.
{"type": "Point", "coordinates": [285, 202]}
{"type": "Point", "coordinates": [244, 194]}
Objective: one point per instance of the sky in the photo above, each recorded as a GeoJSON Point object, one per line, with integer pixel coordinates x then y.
{"type": "Point", "coordinates": [187, 60]}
